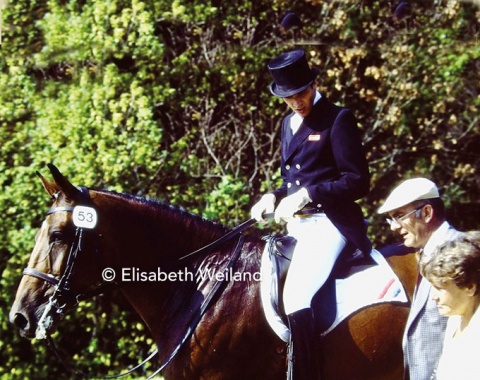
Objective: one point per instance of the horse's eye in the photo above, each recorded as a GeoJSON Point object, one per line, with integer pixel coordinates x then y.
{"type": "Point", "coordinates": [57, 237]}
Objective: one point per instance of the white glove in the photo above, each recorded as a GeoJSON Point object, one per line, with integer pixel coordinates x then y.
{"type": "Point", "coordinates": [291, 204]}
{"type": "Point", "coordinates": [266, 204]}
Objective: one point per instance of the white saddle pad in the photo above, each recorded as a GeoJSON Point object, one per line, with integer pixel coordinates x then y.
{"type": "Point", "coordinates": [372, 285]}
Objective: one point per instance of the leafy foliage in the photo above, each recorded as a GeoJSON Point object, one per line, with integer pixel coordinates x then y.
{"type": "Point", "coordinates": [169, 99]}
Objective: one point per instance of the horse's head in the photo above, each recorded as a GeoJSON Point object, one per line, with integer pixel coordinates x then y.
{"type": "Point", "coordinates": [50, 283]}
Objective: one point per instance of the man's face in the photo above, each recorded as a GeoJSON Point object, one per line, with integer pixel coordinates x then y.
{"type": "Point", "coordinates": [411, 224]}
{"type": "Point", "coordinates": [302, 103]}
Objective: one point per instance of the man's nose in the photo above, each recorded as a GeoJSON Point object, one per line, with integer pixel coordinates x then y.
{"type": "Point", "coordinates": [394, 225]}
{"type": "Point", "coordinates": [296, 102]}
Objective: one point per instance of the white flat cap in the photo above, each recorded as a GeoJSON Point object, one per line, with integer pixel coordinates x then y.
{"type": "Point", "coordinates": [408, 191]}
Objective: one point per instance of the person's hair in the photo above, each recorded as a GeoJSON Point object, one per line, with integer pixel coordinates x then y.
{"type": "Point", "coordinates": [457, 260]}
{"type": "Point", "coordinates": [437, 205]}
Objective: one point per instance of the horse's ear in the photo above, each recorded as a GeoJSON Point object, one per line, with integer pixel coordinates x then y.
{"type": "Point", "coordinates": [49, 186]}
{"type": "Point", "coordinates": [62, 184]}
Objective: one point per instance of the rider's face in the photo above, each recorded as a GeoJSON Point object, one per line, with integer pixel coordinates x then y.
{"type": "Point", "coordinates": [302, 103]}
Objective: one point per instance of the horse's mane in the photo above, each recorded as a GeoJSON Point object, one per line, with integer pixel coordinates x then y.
{"type": "Point", "coordinates": [175, 213]}
{"type": "Point", "coordinates": [200, 230]}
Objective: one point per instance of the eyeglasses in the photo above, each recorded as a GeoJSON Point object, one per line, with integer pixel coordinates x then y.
{"type": "Point", "coordinates": [397, 221]}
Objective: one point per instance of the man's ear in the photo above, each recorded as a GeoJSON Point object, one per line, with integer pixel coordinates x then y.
{"type": "Point", "coordinates": [428, 212]}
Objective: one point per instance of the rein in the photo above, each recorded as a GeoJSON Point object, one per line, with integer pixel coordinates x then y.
{"type": "Point", "coordinates": [62, 289]}
{"type": "Point", "coordinates": [205, 304]}
{"type": "Point", "coordinates": [217, 243]}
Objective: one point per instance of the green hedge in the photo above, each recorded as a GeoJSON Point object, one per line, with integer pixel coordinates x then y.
{"type": "Point", "coordinates": [170, 100]}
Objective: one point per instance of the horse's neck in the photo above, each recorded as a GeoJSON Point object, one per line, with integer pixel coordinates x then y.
{"type": "Point", "coordinates": [142, 240]}
{"type": "Point", "coordinates": [146, 231]}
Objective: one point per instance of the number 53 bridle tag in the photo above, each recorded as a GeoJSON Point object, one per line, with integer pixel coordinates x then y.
{"type": "Point", "coordinates": [84, 217]}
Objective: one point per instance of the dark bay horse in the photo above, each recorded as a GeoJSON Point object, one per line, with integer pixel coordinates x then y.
{"type": "Point", "coordinates": [142, 242]}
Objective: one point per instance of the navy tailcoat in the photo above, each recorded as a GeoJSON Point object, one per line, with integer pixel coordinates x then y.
{"type": "Point", "coordinates": [326, 157]}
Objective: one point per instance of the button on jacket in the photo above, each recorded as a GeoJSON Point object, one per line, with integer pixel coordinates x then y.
{"type": "Point", "coordinates": [326, 157]}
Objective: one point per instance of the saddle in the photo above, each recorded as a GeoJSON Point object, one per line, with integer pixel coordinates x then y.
{"type": "Point", "coordinates": [281, 248]}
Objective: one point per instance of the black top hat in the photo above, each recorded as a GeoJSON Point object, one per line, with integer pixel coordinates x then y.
{"type": "Point", "coordinates": [291, 73]}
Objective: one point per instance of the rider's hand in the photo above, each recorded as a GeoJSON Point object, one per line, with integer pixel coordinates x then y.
{"type": "Point", "coordinates": [291, 204]}
{"type": "Point", "coordinates": [265, 205]}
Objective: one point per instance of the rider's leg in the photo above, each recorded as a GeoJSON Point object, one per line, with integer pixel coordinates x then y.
{"type": "Point", "coordinates": [319, 243]}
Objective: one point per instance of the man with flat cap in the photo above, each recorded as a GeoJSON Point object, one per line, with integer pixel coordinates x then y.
{"type": "Point", "coordinates": [324, 172]}
{"type": "Point", "coordinates": [417, 213]}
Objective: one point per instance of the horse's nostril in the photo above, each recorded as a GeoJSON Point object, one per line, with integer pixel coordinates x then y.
{"type": "Point", "coordinates": [20, 321]}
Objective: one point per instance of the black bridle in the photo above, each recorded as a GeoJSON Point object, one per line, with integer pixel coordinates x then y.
{"type": "Point", "coordinates": [63, 294]}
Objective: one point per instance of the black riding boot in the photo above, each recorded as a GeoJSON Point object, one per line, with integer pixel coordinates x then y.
{"type": "Point", "coordinates": [302, 348]}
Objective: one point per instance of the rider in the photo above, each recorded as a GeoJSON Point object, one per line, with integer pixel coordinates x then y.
{"type": "Point", "coordinates": [324, 171]}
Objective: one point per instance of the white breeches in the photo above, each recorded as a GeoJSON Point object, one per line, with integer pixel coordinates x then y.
{"type": "Point", "coordinates": [319, 243]}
